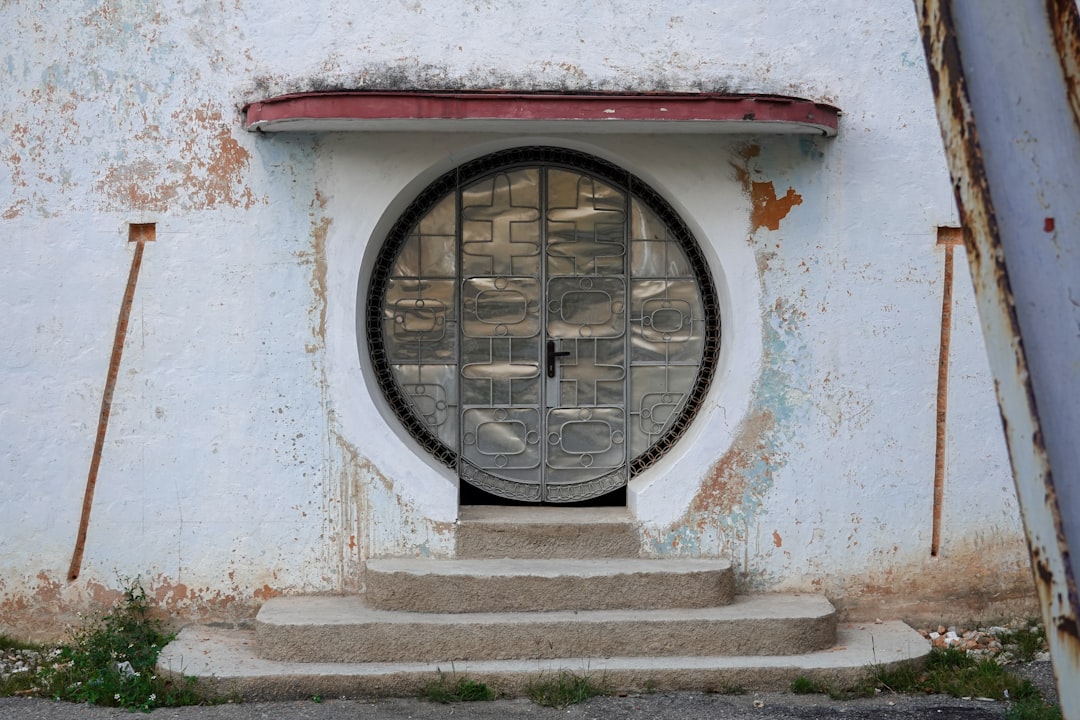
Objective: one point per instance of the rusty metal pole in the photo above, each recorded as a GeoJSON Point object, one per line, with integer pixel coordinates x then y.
{"type": "Point", "coordinates": [1006, 80]}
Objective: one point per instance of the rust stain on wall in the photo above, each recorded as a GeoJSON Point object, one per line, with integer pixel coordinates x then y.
{"type": "Point", "coordinates": [751, 151]}
{"type": "Point", "coordinates": [43, 608]}
{"type": "Point", "coordinates": [908, 587]}
{"type": "Point", "coordinates": [364, 505]}
{"type": "Point", "coordinates": [316, 257]}
{"type": "Point", "coordinates": [741, 168]}
{"type": "Point", "coordinates": [265, 593]}
{"type": "Point", "coordinates": [346, 510]}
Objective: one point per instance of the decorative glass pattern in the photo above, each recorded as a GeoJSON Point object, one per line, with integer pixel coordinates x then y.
{"type": "Point", "coordinates": [543, 323]}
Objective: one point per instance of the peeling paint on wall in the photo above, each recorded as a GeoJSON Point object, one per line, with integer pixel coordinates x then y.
{"type": "Point", "coordinates": [724, 514]}
{"type": "Point", "coordinates": [208, 171]}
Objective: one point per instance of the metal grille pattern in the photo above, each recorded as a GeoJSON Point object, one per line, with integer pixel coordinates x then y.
{"type": "Point", "coordinates": [543, 323]}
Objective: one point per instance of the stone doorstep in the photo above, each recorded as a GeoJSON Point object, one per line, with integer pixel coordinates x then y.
{"type": "Point", "coordinates": [344, 629]}
{"type": "Point", "coordinates": [543, 515]}
{"type": "Point", "coordinates": [466, 586]}
{"type": "Point", "coordinates": [553, 532]}
{"type": "Point", "coordinates": [224, 662]}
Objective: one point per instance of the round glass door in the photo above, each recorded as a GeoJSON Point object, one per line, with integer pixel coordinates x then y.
{"type": "Point", "coordinates": [543, 324]}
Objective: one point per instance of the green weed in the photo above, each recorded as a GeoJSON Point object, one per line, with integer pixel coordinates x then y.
{"type": "Point", "coordinates": [457, 689]}
{"type": "Point", "coordinates": [110, 661]}
{"type": "Point", "coordinates": [954, 672]}
{"type": "Point", "coordinates": [803, 685]}
{"type": "Point", "coordinates": [565, 689]}
{"type": "Point", "coordinates": [24, 682]}
{"type": "Point", "coordinates": [1033, 710]}
{"type": "Point", "coordinates": [9, 643]}
{"type": "Point", "coordinates": [1026, 642]}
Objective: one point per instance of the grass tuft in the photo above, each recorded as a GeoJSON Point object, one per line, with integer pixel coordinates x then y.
{"type": "Point", "coordinates": [565, 689]}
{"type": "Point", "coordinates": [444, 689]}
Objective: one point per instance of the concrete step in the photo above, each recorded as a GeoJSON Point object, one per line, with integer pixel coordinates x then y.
{"type": "Point", "coordinates": [505, 585]}
{"type": "Point", "coordinates": [344, 629]}
{"type": "Point", "coordinates": [546, 532]}
{"type": "Point", "coordinates": [224, 662]}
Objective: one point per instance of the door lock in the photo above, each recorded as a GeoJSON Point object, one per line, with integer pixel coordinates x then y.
{"type": "Point", "coordinates": [552, 355]}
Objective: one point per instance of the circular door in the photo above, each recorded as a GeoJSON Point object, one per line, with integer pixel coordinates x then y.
{"type": "Point", "coordinates": [542, 323]}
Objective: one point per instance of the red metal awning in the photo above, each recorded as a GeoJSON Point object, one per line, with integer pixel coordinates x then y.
{"type": "Point", "coordinates": [541, 112]}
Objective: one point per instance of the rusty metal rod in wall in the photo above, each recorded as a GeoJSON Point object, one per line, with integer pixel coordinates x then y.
{"type": "Point", "coordinates": [948, 238]}
{"type": "Point", "coordinates": [139, 235]}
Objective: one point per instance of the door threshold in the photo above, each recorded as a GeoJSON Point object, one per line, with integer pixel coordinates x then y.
{"type": "Point", "coordinates": [542, 514]}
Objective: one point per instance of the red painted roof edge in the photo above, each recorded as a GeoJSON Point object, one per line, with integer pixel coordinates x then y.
{"type": "Point", "coordinates": [501, 105]}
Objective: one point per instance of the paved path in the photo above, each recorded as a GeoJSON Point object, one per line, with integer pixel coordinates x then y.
{"type": "Point", "coordinates": [661, 706]}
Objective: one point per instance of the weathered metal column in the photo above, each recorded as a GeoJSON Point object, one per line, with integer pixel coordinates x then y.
{"type": "Point", "coordinates": [1006, 78]}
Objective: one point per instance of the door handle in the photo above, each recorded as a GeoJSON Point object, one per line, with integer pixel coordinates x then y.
{"type": "Point", "coordinates": [552, 355]}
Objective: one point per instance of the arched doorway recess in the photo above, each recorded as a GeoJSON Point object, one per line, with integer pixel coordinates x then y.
{"type": "Point", "coordinates": [543, 323]}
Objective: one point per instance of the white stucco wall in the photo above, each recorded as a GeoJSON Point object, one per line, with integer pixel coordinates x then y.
{"type": "Point", "coordinates": [245, 455]}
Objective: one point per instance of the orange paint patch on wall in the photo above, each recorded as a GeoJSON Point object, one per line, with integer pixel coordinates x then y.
{"type": "Point", "coordinates": [768, 210]}
{"type": "Point", "coordinates": [265, 593]}
{"type": "Point", "coordinates": [776, 539]}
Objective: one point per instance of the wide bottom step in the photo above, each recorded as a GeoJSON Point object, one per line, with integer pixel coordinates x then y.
{"type": "Point", "coordinates": [224, 662]}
